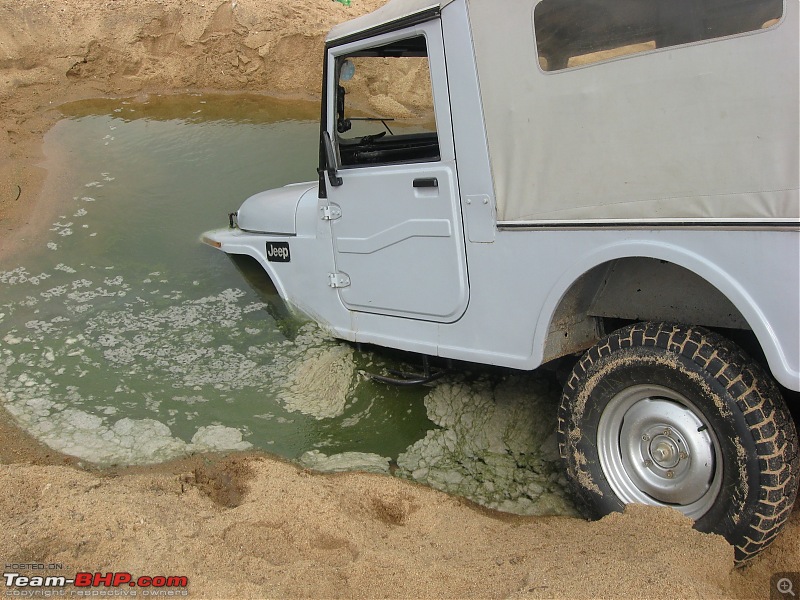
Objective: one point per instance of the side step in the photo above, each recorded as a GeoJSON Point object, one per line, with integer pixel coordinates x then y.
{"type": "Point", "coordinates": [404, 378]}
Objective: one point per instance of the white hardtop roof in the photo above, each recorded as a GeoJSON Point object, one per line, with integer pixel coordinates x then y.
{"type": "Point", "coordinates": [698, 131]}
{"type": "Point", "coordinates": [394, 10]}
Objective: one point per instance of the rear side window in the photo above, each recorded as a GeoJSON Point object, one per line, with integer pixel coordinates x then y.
{"type": "Point", "coordinates": [571, 33]}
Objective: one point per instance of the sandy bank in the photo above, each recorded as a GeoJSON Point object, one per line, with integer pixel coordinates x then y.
{"type": "Point", "coordinates": [251, 526]}
{"type": "Point", "coordinates": [294, 534]}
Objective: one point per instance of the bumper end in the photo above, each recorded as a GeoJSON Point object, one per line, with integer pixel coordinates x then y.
{"type": "Point", "coordinates": [206, 239]}
{"type": "Point", "coordinates": [216, 238]}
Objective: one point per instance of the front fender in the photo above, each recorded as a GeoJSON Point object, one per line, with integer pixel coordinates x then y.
{"type": "Point", "coordinates": [236, 241]}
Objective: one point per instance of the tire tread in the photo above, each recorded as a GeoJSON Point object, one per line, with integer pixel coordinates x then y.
{"type": "Point", "coordinates": [755, 394]}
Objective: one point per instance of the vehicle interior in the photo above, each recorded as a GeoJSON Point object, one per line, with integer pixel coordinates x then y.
{"type": "Point", "coordinates": [384, 106]}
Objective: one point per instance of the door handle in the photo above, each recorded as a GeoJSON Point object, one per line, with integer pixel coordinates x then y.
{"type": "Point", "coordinates": [426, 182]}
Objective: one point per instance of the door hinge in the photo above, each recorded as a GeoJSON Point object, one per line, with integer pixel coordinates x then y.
{"type": "Point", "coordinates": [330, 212]}
{"type": "Point", "coordinates": [338, 280]}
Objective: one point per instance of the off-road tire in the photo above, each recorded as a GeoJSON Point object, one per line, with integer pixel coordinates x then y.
{"type": "Point", "coordinates": [746, 430]}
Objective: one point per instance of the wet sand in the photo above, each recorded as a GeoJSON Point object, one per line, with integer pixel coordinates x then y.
{"type": "Point", "coordinates": [251, 525]}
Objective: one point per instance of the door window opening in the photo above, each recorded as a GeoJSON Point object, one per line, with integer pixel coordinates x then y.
{"type": "Point", "coordinates": [384, 106]}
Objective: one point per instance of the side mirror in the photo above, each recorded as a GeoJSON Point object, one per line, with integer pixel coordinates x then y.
{"type": "Point", "coordinates": [342, 124]}
{"type": "Point", "coordinates": [331, 164]}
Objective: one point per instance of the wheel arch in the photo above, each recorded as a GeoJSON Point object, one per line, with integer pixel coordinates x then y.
{"type": "Point", "coordinates": [568, 321]}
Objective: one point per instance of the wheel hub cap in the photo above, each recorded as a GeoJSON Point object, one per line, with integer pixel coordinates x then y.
{"type": "Point", "coordinates": [655, 449]}
{"type": "Point", "coordinates": [665, 452]}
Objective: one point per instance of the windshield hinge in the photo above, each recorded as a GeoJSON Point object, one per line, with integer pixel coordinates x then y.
{"type": "Point", "coordinates": [338, 280]}
{"type": "Point", "coordinates": [330, 212]}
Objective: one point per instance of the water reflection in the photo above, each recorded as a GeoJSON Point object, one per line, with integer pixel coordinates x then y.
{"type": "Point", "coordinates": [197, 108]}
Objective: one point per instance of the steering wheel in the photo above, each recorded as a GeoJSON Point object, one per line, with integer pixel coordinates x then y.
{"type": "Point", "coordinates": [368, 139]}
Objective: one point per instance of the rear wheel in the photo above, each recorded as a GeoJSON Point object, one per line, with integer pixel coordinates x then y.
{"type": "Point", "coordinates": [678, 416]}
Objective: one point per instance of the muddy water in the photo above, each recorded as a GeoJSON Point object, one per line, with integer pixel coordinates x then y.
{"type": "Point", "coordinates": [124, 340]}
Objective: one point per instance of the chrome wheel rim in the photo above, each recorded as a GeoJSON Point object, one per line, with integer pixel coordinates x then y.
{"type": "Point", "coordinates": [656, 447]}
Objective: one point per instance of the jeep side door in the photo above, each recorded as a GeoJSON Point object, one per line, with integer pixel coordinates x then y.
{"type": "Point", "coordinates": [396, 222]}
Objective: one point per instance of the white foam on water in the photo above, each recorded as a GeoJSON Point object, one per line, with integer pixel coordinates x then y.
{"type": "Point", "coordinates": [317, 375]}
{"type": "Point", "coordinates": [320, 383]}
{"type": "Point", "coordinates": [59, 417]}
{"type": "Point", "coordinates": [92, 437]}
{"type": "Point", "coordinates": [190, 400]}
{"type": "Point", "coordinates": [136, 342]}
{"type": "Point", "coordinates": [496, 446]}
{"type": "Point", "coordinates": [218, 438]}
{"type": "Point", "coordinates": [355, 419]}
{"type": "Point", "coordinates": [20, 276]}
{"type": "Point", "coordinates": [127, 441]}
{"type": "Point", "coordinates": [345, 461]}
{"type": "Point", "coordinates": [54, 292]}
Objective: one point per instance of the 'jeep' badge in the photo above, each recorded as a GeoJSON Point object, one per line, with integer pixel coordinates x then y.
{"type": "Point", "coordinates": [278, 252]}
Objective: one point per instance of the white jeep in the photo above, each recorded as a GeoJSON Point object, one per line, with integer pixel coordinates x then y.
{"type": "Point", "coordinates": [522, 182]}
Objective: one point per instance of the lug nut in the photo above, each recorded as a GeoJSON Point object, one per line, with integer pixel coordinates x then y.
{"type": "Point", "coordinates": [648, 463]}
{"type": "Point", "coordinates": [670, 474]}
{"type": "Point", "coordinates": [645, 438]}
{"type": "Point", "coordinates": [684, 455]}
